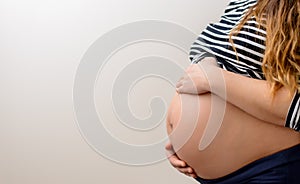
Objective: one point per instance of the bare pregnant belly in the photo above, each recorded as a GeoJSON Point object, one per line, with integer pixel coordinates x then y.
{"type": "Point", "coordinates": [239, 140]}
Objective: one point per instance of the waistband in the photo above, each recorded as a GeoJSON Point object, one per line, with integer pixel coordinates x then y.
{"type": "Point", "coordinates": [257, 167]}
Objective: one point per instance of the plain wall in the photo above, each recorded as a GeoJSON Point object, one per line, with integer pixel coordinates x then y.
{"type": "Point", "coordinates": [41, 45]}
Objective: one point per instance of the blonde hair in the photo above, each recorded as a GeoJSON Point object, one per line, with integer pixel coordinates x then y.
{"type": "Point", "coordinates": [281, 20]}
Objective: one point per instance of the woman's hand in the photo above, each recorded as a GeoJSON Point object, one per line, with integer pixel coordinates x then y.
{"type": "Point", "coordinates": [180, 165]}
{"type": "Point", "coordinates": [195, 80]}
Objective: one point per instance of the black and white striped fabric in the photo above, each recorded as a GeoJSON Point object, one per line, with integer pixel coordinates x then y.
{"type": "Point", "coordinates": [249, 43]}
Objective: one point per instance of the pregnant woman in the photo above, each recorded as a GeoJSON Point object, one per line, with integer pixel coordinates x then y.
{"type": "Point", "coordinates": [256, 49]}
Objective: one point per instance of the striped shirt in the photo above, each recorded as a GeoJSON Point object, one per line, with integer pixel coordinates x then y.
{"type": "Point", "coordinates": [250, 46]}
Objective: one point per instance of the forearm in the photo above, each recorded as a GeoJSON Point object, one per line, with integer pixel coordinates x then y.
{"type": "Point", "coordinates": [253, 96]}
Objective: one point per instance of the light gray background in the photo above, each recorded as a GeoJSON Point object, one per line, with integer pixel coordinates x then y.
{"type": "Point", "coordinates": [41, 45]}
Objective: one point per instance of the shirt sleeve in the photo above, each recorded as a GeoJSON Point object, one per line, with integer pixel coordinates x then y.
{"type": "Point", "coordinates": [199, 56]}
{"type": "Point", "coordinates": [293, 115]}
{"type": "Point", "coordinates": [199, 50]}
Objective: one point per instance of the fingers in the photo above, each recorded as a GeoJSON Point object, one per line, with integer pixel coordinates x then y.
{"type": "Point", "coordinates": [187, 171]}
{"type": "Point", "coordinates": [176, 162]}
{"type": "Point", "coordinates": [181, 166]}
{"type": "Point", "coordinates": [172, 157]}
{"type": "Point", "coordinates": [192, 175]}
{"type": "Point", "coordinates": [181, 89]}
{"type": "Point", "coordinates": [187, 88]}
{"type": "Point", "coordinates": [184, 83]}
{"type": "Point", "coordinates": [179, 84]}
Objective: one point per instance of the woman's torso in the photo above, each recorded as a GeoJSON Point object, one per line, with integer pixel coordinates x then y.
{"type": "Point", "coordinates": [241, 138]}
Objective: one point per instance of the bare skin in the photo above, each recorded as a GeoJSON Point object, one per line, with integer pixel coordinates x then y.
{"type": "Point", "coordinates": [241, 139]}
